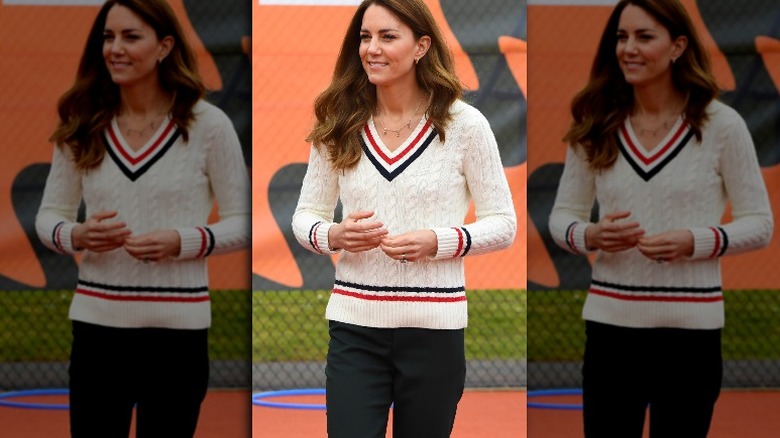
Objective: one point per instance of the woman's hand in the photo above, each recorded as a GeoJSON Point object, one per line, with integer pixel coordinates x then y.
{"type": "Point", "coordinates": [667, 246]}
{"type": "Point", "coordinates": [154, 246]}
{"type": "Point", "coordinates": [612, 235]}
{"type": "Point", "coordinates": [96, 234]}
{"type": "Point", "coordinates": [357, 233]}
{"type": "Point", "coordinates": [411, 246]}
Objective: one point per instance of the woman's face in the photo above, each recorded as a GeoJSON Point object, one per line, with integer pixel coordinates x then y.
{"type": "Point", "coordinates": [388, 48]}
{"type": "Point", "coordinates": [645, 49]}
{"type": "Point", "coordinates": [131, 48]}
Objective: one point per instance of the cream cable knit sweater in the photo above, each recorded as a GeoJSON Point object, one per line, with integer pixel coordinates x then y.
{"type": "Point", "coordinates": [423, 184]}
{"type": "Point", "coordinates": [167, 184]}
{"type": "Point", "coordinates": [680, 184]}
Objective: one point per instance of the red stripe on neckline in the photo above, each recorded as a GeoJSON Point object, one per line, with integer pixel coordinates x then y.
{"type": "Point", "coordinates": [404, 298]}
{"type": "Point", "coordinates": [154, 147]}
{"type": "Point", "coordinates": [403, 153]}
{"type": "Point", "coordinates": [667, 146]}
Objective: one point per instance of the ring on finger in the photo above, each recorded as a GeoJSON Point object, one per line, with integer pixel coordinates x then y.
{"type": "Point", "coordinates": [403, 258]}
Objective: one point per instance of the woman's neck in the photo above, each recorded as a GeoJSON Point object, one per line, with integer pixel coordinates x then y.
{"type": "Point", "coordinates": [142, 101]}
{"type": "Point", "coordinates": [658, 100]}
{"type": "Point", "coordinates": [398, 102]}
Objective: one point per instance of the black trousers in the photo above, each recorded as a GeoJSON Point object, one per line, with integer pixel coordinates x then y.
{"type": "Point", "coordinates": [676, 372]}
{"type": "Point", "coordinates": [422, 372]}
{"type": "Point", "coordinates": [162, 372]}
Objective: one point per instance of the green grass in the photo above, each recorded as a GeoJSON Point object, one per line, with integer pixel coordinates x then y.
{"type": "Point", "coordinates": [34, 326]}
{"type": "Point", "coordinates": [752, 330]}
{"type": "Point", "coordinates": [291, 325]}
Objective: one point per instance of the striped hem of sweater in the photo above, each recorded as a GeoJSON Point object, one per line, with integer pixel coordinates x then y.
{"type": "Point", "coordinates": [141, 306]}
{"type": "Point", "coordinates": [656, 293]}
{"type": "Point", "coordinates": [143, 293]}
{"type": "Point", "coordinates": [654, 306]}
{"type": "Point", "coordinates": [398, 306]}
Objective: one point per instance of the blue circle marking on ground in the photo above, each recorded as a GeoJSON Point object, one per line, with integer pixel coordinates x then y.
{"type": "Point", "coordinates": [260, 399]}
{"type": "Point", "coordinates": [7, 399]}
{"type": "Point", "coordinates": [553, 393]}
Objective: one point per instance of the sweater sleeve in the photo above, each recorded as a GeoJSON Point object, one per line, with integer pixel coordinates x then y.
{"type": "Point", "coordinates": [313, 215]}
{"type": "Point", "coordinates": [570, 215]}
{"type": "Point", "coordinates": [229, 180]}
{"type": "Point", "coordinates": [752, 224]}
{"type": "Point", "coordinates": [496, 222]}
{"type": "Point", "coordinates": [59, 206]}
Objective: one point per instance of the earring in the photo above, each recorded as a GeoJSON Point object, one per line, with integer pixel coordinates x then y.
{"type": "Point", "coordinates": [416, 60]}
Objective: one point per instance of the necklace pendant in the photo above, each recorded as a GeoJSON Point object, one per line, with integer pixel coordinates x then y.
{"type": "Point", "coordinates": [398, 134]}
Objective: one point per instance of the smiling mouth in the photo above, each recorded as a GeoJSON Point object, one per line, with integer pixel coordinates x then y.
{"type": "Point", "coordinates": [376, 64]}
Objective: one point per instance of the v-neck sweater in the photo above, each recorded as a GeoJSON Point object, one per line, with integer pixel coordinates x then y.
{"type": "Point", "coordinates": [423, 184]}
{"type": "Point", "coordinates": [166, 184]}
{"type": "Point", "coordinates": [679, 184]}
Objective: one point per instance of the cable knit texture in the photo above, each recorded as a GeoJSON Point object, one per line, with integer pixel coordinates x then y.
{"type": "Point", "coordinates": [167, 184]}
{"type": "Point", "coordinates": [423, 184]}
{"type": "Point", "coordinates": [680, 184]}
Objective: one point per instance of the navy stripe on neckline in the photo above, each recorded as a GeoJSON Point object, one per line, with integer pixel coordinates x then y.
{"type": "Point", "coordinates": [648, 175]}
{"type": "Point", "coordinates": [392, 175]}
{"type": "Point", "coordinates": [153, 159]}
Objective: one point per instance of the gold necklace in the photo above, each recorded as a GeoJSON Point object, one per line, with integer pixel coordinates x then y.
{"type": "Point", "coordinates": [407, 125]}
{"type": "Point", "coordinates": [140, 132]}
{"type": "Point", "coordinates": [662, 129]}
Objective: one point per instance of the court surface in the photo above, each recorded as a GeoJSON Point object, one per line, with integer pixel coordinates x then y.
{"type": "Point", "coordinates": [738, 413]}
{"type": "Point", "coordinates": [493, 414]}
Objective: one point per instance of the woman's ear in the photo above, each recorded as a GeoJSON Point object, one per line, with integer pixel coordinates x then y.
{"type": "Point", "coordinates": [166, 45]}
{"type": "Point", "coordinates": [678, 47]}
{"type": "Point", "coordinates": [423, 44]}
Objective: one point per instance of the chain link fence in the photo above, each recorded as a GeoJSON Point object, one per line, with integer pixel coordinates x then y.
{"type": "Point", "coordinates": [35, 337]}
{"type": "Point", "coordinates": [290, 339]}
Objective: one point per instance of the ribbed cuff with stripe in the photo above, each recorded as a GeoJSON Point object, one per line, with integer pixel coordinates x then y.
{"type": "Point", "coordinates": [453, 242]}
{"type": "Point", "coordinates": [196, 242]}
{"type": "Point", "coordinates": [709, 242]}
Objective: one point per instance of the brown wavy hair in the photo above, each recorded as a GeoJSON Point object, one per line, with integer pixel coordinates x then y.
{"type": "Point", "coordinates": [86, 109]}
{"type": "Point", "coordinates": [601, 107]}
{"type": "Point", "coordinates": [346, 105]}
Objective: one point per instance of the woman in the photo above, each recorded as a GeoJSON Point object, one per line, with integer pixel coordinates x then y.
{"type": "Point", "coordinates": [147, 156]}
{"type": "Point", "coordinates": [662, 157]}
{"type": "Point", "coordinates": [404, 155]}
